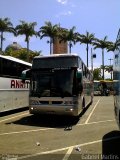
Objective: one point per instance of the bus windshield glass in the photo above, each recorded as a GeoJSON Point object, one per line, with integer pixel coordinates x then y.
{"type": "Point", "coordinates": [52, 83]}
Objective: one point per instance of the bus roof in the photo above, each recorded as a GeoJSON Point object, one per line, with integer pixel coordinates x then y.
{"type": "Point", "coordinates": [56, 61]}
{"type": "Point", "coordinates": [57, 55]}
{"type": "Point", "coordinates": [15, 60]}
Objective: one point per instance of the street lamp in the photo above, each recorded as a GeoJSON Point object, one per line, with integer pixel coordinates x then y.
{"type": "Point", "coordinates": [110, 60]}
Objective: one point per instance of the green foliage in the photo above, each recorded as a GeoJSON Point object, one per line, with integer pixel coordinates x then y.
{"type": "Point", "coordinates": [108, 68]}
{"type": "Point", "coordinates": [26, 29]}
{"type": "Point", "coordinates": [68, 36]}
{"type": "Point", "coordinates": [113, 46]}
{"type": "Point", "coordinates": [22, 54]}
{"type": "Point", "coordinates": [103, 44]}
{"type": "Point", "coordinates": [86, 39]}
{"type": "Point", "coordinates": [50, 31]}
{"type": "Point", "coordinates": [97, 74]}
{"type": "Point", "coordinates": [5, 26]}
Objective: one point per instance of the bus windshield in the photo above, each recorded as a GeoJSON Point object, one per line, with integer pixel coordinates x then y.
{"type": "Point", "coordinates": [52, 83]}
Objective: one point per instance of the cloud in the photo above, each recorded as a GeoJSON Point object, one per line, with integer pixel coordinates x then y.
{"type": "Point", "coordinates": [65, 13]}
{"type": "Point", "coordinates": [62, 1]}
{"type": "Point", "coordinates": [66, 2]}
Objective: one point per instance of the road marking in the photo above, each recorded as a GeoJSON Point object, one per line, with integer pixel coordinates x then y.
{"type": "Point", "coordinates": [70, 148]}
{"type": "Point", "coordinates": [96, 122]}
{"type": "Point", "coordinates": [92, 112]}
{"type": "Point", "coordinates": [26, 131]}
{"type": "Point", "coordinates": [45, 129]}
{"type": "Point", "coordinates": [13, 117]}
{"type": "Point", "coordinates": [67, 155]}
{"type": "Point", "coordinates": [102, 121]}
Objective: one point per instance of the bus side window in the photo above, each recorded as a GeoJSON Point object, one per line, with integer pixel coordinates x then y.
{"type": "Point", "coordinates": [80, 86]}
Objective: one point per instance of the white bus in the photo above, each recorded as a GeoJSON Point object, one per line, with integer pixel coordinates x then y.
{"type": "Point", "coordinates": [60, 84]}
{"type": "Point", "coordinates": [116, 81]}
{"type": "Point", "coordinates": [13, 93]}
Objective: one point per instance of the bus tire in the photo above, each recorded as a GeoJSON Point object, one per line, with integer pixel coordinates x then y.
{"type": "Point", "coordinates": [119, 120]}
{"type": "Point", "coordinates": [83, 103]}
{"type": "Point", "coordinates": [91, 101]}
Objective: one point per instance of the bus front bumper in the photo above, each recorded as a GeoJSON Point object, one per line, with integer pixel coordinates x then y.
{"type": "Point", "coordinates": [57, 110]}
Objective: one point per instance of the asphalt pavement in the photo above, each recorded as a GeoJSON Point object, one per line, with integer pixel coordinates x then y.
{"type": "Point", "coordinates": [93, 135]}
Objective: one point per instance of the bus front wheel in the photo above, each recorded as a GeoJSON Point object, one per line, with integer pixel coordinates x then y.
{"type": "Point", "coordinates": [83, 103]}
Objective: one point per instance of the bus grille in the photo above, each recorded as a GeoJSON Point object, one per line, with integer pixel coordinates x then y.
{"type": "Point", "coordinates": [51, 102]}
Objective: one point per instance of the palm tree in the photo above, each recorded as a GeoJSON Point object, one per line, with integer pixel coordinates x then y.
{"type": "Point", "coordinates": [103, 44]}
{"type": "Point", "coordinates": [28, 30]}
{"type": "Point", "coordinates": [48, 30]}
{"type": "Point", "coordinates": [68, 36]}
{"type": "Point", "coordinates": [113, 46]}
{"type": "Point", "coordinates": [86, 39]}
{"type": "Point", "coordinates": [5, 26]}
{"type": "Point", "coordinates": [109, 68]}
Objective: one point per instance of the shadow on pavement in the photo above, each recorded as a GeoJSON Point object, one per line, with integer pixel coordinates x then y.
{"type": "Point", "coordinates": [51, 121]}
{"type": "Point", "coordinates": [14, 111]}
{"type": "Point", "coordinates": [111, 145]}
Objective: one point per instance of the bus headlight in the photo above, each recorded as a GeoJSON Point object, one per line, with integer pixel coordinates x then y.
{"type": "Point", "coordinates": [31, 108]}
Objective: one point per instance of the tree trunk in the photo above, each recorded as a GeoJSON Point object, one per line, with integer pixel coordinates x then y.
{"type": "Point", "coordinates": [51, 42]}
{"type": "Point", "coordinates": [111, 75]}
{"type": "Point", "coordinates": [87, 54]}
{"type": "Point", "coordinates": [28, 50]}
{"type": "Point", "coordinates": [70, 46]}
{"type": "Point", "coordinates": [103, 62]}
{"type": "Point", "coordinates": [1, 41]}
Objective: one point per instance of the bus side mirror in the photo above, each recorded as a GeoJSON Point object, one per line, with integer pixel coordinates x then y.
{"type": "Point", "coordinates": [23, 78]}
{"type": "Point", "coordinates": [79, 74]}
{"type": "Point", "coordinates": [25, 75]}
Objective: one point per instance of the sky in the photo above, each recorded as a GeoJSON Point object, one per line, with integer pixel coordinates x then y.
{"type": "Point", "coordinates": [98, 17]}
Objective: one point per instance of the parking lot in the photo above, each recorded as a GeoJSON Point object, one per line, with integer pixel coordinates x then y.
{"type": "Point", "coordinates": [94, 135]}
